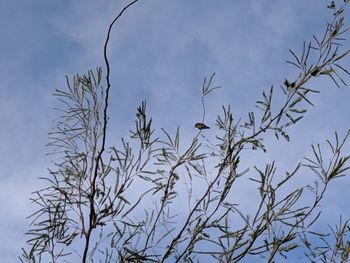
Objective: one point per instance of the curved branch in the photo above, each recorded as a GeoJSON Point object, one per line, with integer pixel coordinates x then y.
{"type": "Point", "coordinates": [92, 215]}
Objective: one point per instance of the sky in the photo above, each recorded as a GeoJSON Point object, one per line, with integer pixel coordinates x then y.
{"type": "Point", "coordinates": [160, 51]}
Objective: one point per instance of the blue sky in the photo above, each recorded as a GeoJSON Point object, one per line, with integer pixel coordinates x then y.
{"type": "Point", "coordinates": [160, 51]}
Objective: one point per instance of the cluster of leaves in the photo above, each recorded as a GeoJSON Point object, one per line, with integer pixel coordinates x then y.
{"type": "Point", "coordinates": [127, 205]}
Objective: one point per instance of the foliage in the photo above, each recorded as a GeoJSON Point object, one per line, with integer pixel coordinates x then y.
{"type": "Point", "coordinates": [127, 203]}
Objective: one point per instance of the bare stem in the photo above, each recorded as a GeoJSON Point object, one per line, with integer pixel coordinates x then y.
{"type": "Point", "coordinates": [92, 215]}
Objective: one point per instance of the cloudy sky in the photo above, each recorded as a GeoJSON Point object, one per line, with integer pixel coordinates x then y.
{"type": "Point", "coordinates": [160, 51]}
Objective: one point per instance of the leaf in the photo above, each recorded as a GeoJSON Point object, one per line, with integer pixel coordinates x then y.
{"type": "Point", "coordinates": [327, 72]}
